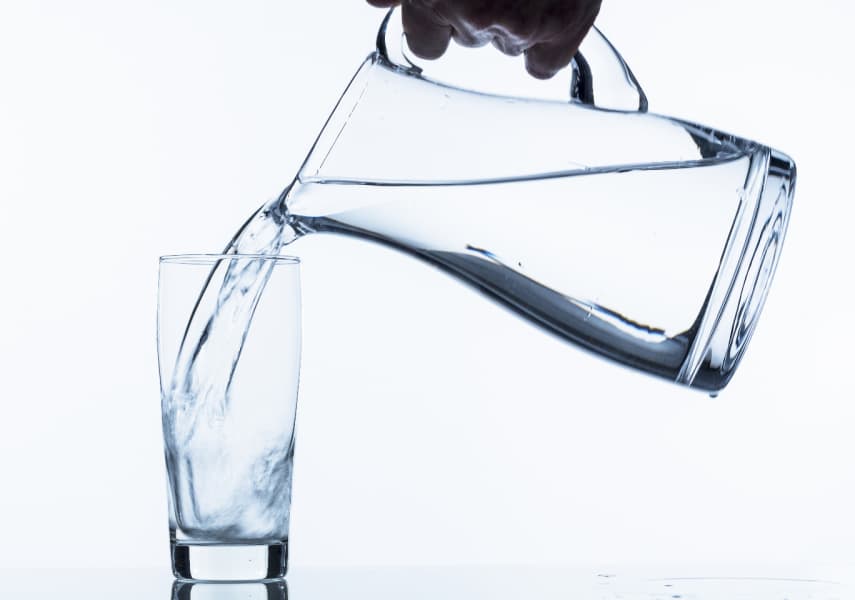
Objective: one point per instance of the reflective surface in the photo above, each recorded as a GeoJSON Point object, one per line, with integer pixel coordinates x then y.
{"type": "Point", "coordinates": [448, 583]}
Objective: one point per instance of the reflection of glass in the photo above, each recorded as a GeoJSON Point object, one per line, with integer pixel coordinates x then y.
{"type": "Point", "coordinates": [228, 423]}
{"type": "Point", "coordinates": [507, 582]}
{"type": "Point", "coordinates": [183, 590]}
{"type": "Point", "coordinates": [518, 583]}
{"type": "Point", "coordinates": [648, 240]}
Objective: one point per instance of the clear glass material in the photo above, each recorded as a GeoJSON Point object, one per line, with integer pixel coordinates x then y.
{"type": "Point", "coordinates": [228, 422]}
{"type": "Point", "coordinates": [645, 239]}
{"type": "Point", "coordinates": [190, 590]}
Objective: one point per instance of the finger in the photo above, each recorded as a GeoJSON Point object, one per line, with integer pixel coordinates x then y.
{"type": "Point", "coordinates": [384, 3]}
{"type": "Point", "coordinates": [545, 59]}
{"type": "Point", "coordinates": [469, 39]}
{"type": "Point", "coordinates": [511, 46]}
{"type": "Point", "coordinates": [428, 35]}
{"type": "Point", "coordinates": [463, 31]}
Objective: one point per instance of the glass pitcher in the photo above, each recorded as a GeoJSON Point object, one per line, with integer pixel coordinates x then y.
{"type": "Point", "coordinates": [645, 239]}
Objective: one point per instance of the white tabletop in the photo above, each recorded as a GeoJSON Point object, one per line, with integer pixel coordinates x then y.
{"type": "Point", "coordinates": [447, 583]}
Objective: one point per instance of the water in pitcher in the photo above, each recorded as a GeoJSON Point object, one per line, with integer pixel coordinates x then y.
{"type": "Point", "coordinates": [647, 240]}
{"type": "Point", "coordinates": [553, 251]}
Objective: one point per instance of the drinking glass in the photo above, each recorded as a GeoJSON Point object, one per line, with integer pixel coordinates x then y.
{"type": "Point", "coordinates": [229, 411]}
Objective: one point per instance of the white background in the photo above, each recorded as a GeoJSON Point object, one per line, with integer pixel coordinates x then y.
{"type": "Point", "coordinates": [433, 426]}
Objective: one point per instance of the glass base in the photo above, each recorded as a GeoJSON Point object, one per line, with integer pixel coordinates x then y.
{"type": "Point", "coordinates": [229, 562]}
{"type": "Point", "coordinates": [194, 590]}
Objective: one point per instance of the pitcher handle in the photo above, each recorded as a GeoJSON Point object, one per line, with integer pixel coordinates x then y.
{"type": "Point", "coordinates": [598, 75]}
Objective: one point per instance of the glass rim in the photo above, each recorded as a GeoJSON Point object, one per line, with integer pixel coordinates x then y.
{"type": "Point", "coordinates": [206, 259]}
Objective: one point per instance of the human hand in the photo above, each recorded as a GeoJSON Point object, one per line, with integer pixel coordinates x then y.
{"type": "Point", "coordinates": [548, 32]}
